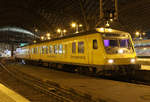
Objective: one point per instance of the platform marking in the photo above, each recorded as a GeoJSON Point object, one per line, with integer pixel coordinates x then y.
{"type": "Point", "coordinates": [10, 93]}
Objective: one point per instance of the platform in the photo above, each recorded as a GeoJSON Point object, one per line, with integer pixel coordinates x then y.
{"type": "Point", "coordinates": [145, 62]}
{"type": "Point", "coordinates": [142, 60]}
{"type": "Point", "coordinates": [7, 95]}
{"type": "Point", "coordinates": [109, 90]}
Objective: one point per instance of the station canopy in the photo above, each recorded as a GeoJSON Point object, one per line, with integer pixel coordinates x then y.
{"type": "Point", "coordinates": [48, 15]}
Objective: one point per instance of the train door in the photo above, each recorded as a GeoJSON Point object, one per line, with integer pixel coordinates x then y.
{"type": "Point", "coordinates": [96, 51]}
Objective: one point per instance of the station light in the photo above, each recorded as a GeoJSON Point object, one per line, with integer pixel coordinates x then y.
{"type": "Point", "coordinates": [76, 26]}
{"type": "Point", "coordinates": [73, 25]}
{"type": "Point", "coordinates": [59, 30]}
{"type": "Point", "coordinates": [137, 33]}
{"type": "Point", "coordinates": [107, 24]}
{"type": "Point", "coordinates": [34, 41]}
{"type": "Point", "coordinates": [64, 30]}
{"type": "Point", "coordinates": [48, 37]}
{"type": "Point", "coordinates": [42, 37]}
{"type": "Point", "coordinates": [144, 33]}
{"type": "Point", "coordinates": [80, 25]}
{"type": "Point", "coordinates": [48, 34]}
{"type": "Point", "coordinates": [36, 30]}
{"type": "Point", "coordinates": [111, 20]}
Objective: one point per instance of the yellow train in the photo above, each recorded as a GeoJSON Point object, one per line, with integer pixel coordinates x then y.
{"type": "Point", "coordinates": [104, 49]}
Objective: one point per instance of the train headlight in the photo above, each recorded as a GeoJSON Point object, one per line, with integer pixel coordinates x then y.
{"type": "Point", "coordinates": [132, 60]}
{"type": "Point", "coordinates": [120, 51]}
{"type": "Point", "coordinates": [110, 61]}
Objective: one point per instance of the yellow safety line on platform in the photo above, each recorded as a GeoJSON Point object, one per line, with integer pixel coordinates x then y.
{"type": "Point", "coordinates": [10, 93]}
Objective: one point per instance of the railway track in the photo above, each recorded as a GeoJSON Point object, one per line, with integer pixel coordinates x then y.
{"type": "Point", "coordinates": [46, 87]}
{"type": "Point", "coordinates": [141, 77]}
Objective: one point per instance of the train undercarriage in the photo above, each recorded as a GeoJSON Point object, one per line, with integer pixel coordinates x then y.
{"type": "Point", "coordinates": [104, 70]}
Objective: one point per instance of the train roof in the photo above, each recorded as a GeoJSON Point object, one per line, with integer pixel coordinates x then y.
{"type": "Point", "coordinates": [98, 30]}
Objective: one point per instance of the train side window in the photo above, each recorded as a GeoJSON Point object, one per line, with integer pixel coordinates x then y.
{"type": "Point", "coordinates": [43, 50]}
{"type": "Point", "coordinates": [29, 51]}
{"type": "Point", "coordinates": [46, 49]}
{"type": "Point", "coordinates": [37, 50]}
{"type": "Point", "coordinates": [65, 49]}
{"type": "Point", "coordinates": [73, 47]}
{"type": "Point", "coordinates": [50, 49]}
{"type": "Point", "coordinates": [34, 51]}
{"type": "Point", "coordinates": [40, 50]}
{"type": "Point", "coordinates": [95, 45]}
{"type": "Point", "coordinates": [81, 47]}
{"type": "Point", "coordinates": [55, 49]}
{"type": "Point", "coordinates": [60, 49]}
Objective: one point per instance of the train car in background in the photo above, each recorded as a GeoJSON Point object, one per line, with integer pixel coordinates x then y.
{"type": "Point", "coordinates": [142, 48]}
{"type": "Point", "coordinates": [95, 51]}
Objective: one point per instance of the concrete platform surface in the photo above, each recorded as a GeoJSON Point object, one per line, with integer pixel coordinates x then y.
{"type": "Point", "coordinates": [109, 90]}
{"type": "Point", "coordinates": [7, 95]}
{"type": "Point", "coordinates": [145, 63]}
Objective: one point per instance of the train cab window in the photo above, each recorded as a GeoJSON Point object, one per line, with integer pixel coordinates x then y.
{"type": "Point", "coordinates": [81, 47]}
{"type": "Point", "coordinates": [95, 45]}
{"type": "Point", "coordinates": [60, 49]}
{"type": "Point", "coordinates": [50, 49]}
{"type": "Point", "coordinates": [46, 48]}
{"type": "Point", "coordinates": [73, 47]}
{"type": "Point", "coordinates": [55, 49]}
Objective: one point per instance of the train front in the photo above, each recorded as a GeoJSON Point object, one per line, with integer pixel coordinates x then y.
{"type": "Point", "coordinates": [119, 50]}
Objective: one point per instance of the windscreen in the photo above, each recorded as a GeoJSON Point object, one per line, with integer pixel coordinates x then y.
{"type": "Point", "coordinates": [113, 46]}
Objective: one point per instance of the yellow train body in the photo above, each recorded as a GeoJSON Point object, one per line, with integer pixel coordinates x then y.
{"type": "Point", "coordinates": [85, 49]}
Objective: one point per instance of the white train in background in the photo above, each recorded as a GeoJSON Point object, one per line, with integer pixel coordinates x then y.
{"type": "Point", "coordinates": [142, 48]}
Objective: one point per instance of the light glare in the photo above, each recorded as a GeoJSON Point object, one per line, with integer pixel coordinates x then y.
{"type": "Point", "coordinates": [120, 51]}
{"type": "Point", "coordinates": [64, 31]}
{"type": "Point", "coordinates": [110, 30]}
{"type": "Point", "coordinates": [110, 61]}
{"type": "Point", "coordinates": [102, 29]}
{"type": "Point", "coordinates": [80, 25]}
{"type": "Point", "coordinates": [34, 41]}
{"type": "Point", "coordinates": [73, 24]}
{"type": "Point", "coordinates": [58, 30]}
{"type": "Point", "coordinates": [42, 37]}
{"type": "Point", "coordinates": [48, 34]}
{"type": "Point", "coordinates": [137, 33]}
{"type": "Point", "coordinates": [132, 60]}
